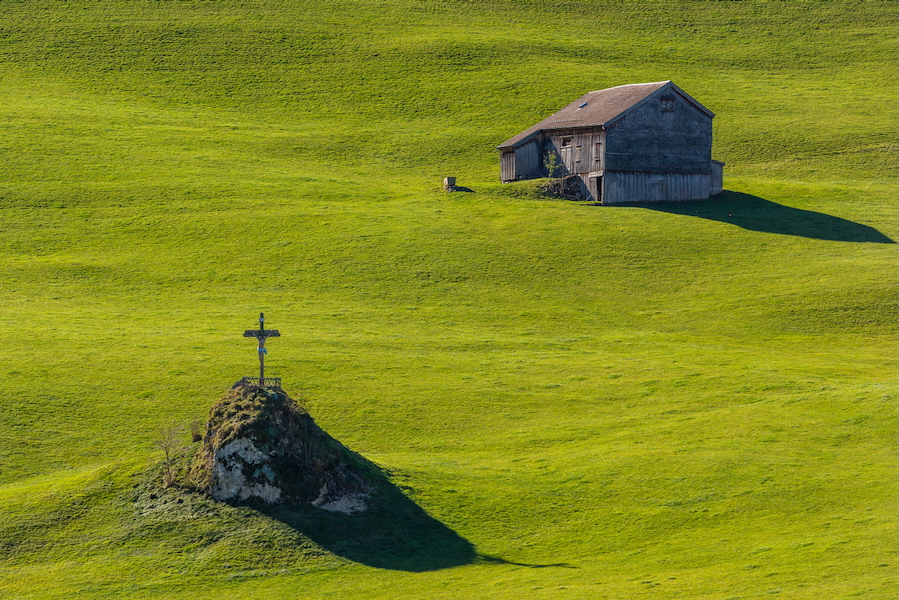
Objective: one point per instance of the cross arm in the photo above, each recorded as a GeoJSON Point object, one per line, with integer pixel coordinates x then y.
{"type": "Point", "coordinates": [261, 334]}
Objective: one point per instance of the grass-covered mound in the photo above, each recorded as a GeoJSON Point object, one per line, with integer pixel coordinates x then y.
{"type": "Point", "coordinates": [306, 489]}
{"type": "Point", "coordinates": [260, 444]}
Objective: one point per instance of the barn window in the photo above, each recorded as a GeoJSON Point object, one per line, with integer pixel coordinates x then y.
{"type": "Point", "coordinates": [577, 154]}
{"type": "Point", "coordinates": [566, 142]}
{"type": "Point", "coordinates": [667, 104]}
{"type": "Point", "coordinates": [597, 150]}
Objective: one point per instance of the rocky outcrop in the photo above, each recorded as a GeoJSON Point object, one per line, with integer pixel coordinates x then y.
{"type": "Point", "coordinates": [260, 446]}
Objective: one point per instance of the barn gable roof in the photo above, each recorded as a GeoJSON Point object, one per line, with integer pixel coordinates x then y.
{"type": "Point", "coordinates": [601, 108]}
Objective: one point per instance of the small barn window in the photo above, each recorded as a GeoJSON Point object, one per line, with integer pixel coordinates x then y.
{"type": "Point", "coordinates": [577, 154]}
{"type": "Point", "coordinates": [566, 142]}
{"type": "Point", "coordinates": [667, 104]}
{"type": "Point", "coordinates": [597, 150]}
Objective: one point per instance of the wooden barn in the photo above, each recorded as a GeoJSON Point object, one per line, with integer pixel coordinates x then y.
{"type": "Point", "coordinates": [644, 142]}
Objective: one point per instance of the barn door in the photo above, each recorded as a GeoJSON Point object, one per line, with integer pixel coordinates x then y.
{"type": "Point", "coordinates": [567, 155]}
{"type": "Point", "coordinates": [595, 189]}
{"type": "Point", "coordinates": [658, 188]}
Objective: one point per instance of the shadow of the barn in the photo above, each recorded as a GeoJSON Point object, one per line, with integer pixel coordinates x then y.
{"type": "Point", "coordinates": [757, 214]}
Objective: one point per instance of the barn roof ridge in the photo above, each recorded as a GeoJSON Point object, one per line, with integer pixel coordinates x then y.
{"type": "Point", "coordinates": [600, 108]}
{"type": "Point", "coordinates": [624, 85]}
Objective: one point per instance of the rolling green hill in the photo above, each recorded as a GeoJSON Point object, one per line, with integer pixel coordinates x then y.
{"type": "Point", "coordinates": [686, 401]}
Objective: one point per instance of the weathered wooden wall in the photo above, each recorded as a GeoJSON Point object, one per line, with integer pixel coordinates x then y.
{"type": "Point", "coordinates": [524, 162]}
{"type": "Point", "coordinates": [717, 182]}
{"type": "Point", "coordinates": [580, 149]}
{"type": "Point", "coordinates": [528, 161]}
{"type": "Point", "coordinates": [507, 166]}
{"type": "Point", "coordinates": [636, 186]}
{"type": "Point", "coordinates": [650, 139]}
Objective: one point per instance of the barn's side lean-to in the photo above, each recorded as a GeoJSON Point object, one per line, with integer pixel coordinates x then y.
{"type": "Point", "coordinates": [643, 142]}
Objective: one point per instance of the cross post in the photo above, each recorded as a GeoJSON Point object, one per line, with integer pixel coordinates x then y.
{"type": "Point", "coordinates": [261, 335]}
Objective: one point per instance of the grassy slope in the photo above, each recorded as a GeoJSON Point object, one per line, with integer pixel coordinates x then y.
{"type": "Point", "coordinates": [662, 405]}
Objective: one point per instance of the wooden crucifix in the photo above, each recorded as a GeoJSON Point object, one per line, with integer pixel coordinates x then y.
{"type": "Point", "coordinates": [261, 334]}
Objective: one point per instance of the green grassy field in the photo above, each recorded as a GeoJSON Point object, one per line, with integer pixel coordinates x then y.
{"type": "Point", "coordinates": [689, 401]}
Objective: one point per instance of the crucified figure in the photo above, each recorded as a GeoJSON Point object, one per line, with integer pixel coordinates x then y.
{"type": "Point", "coordinates": [261, 334]}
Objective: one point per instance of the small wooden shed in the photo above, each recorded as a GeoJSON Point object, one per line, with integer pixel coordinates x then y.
{"type": "Point", "coordinates": [643, 142]}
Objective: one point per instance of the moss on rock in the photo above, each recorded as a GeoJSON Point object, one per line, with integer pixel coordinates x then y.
{"type": "Point", "coordinates": [260, 445]}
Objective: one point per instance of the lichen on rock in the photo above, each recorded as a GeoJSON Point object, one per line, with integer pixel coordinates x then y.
{"type": "Point", "coordinates": [260, 446]}
{"type": "Point", "coordinates": [229, 481]}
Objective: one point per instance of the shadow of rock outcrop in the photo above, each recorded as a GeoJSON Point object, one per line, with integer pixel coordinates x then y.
{"type": "Point", "coordinates": [263, 450]}
{"type": "Point", "coordinates": [757, 214]}
{"type": "Point", "coordinates": [394, 533]}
